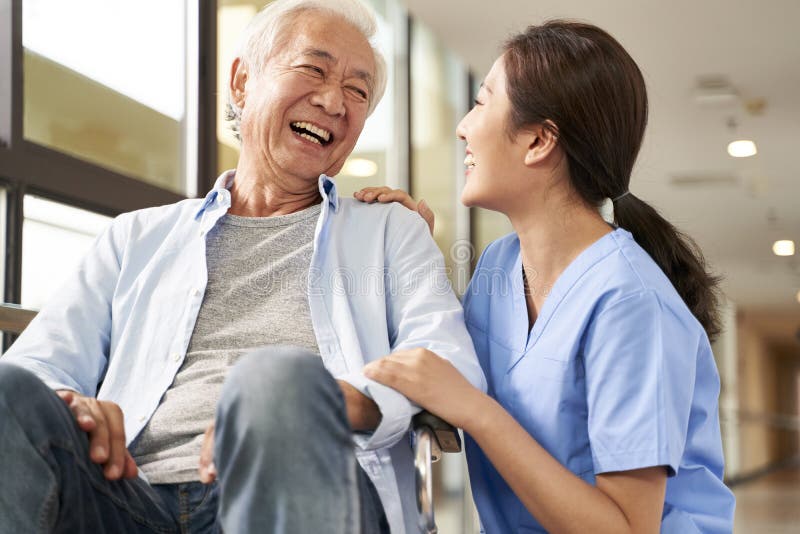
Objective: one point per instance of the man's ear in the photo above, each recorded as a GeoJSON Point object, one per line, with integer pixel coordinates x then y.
{"type": "Point", "coordinates": [238, 80]}
{"type": "Point", "coordinates": [542, 140]}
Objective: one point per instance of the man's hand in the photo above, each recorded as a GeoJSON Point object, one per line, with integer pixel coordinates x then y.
{"type": "Point", "coordinates": [208, 471]}
{"type": "Point", "coordinates": [362, 412]}
{"type": "Point", "coordinates": [104, 422]}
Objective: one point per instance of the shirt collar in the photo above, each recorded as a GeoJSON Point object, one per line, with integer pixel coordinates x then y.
{"type": "Point", "coordinates": [327, 188]}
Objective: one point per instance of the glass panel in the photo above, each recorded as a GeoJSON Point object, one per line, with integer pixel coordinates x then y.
{"type": "Point", "coordinates": [232, 18]}
{"type": "Point", "coordinates": [3, 220]}
{"type": "Point", "coordinates": [54, 239]}
{"type": "Point", "coordinates": [487, 225]}
{"type": "Point", "coordinates": [368, 164]}
{"type": "Point", "coordinates": [434, 116]}
{"type": "Point", "coordinates": [105, 81]}
{"type": "Point", "coordinates": [438, 80]}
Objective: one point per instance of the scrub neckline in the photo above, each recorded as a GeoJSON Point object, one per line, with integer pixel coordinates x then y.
{"type": "Point", "coordinates": [582, 263]}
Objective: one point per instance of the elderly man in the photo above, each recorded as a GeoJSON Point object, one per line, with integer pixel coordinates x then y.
{"type": "Point", "coordinates": [150, 341]}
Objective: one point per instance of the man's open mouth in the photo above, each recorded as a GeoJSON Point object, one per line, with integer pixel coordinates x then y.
{"type": "Point", "coordinates": [313, 133]}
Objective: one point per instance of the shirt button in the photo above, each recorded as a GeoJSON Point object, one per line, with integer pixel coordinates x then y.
{"type": "Point", "coordinates": [196, 292]}
{"type": "Point", "coordinates": [202, 233]}
{"type": "Point", "coordinates": [142, 419]}
{"type": "Point", "coordinates": [176, 357]}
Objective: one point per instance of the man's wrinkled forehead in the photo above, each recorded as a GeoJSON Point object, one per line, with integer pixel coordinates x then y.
{"type": "Point", "coordinates": [295, 37]}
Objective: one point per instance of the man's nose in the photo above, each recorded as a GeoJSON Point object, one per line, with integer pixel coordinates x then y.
{"type": "Point", "coordinates": [330, 97]}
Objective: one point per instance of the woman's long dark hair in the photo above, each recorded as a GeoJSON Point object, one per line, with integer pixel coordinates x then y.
{"type": "Point", "coordinates": [579, 81]}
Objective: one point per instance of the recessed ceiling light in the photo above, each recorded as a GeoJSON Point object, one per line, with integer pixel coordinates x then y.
{"type": "Point", "coordinates": [743, 148]}
{"type": "Point", "coordinates": [785, 247]}
{"type": "Point", "coordinates": [360, 167]}
{"type": "Point", "coordinates": [798, 296]}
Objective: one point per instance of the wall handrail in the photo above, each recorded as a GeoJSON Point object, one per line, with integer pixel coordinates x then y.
{"type": "Point", "coordinates": [14, 318]}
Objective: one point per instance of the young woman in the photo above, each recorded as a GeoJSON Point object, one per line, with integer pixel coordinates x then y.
{"type": "Point", "coordinates": [601, 414]}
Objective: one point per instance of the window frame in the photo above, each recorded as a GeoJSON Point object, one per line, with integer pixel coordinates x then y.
{"type": "Point", "coordinates": [29, 168]}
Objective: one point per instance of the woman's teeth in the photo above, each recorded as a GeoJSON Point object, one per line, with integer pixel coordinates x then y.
{"type": "Point", "coordinates": [469, 161]}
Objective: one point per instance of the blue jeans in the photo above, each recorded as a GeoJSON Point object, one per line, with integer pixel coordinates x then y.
{"type": "Point", "coordinates": [283, 450]}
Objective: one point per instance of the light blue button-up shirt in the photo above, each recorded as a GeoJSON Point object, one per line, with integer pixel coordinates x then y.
{"type": "Point", "coordinates": [377, 285]}
{"type": "Point", "coordinates": [616, 374]}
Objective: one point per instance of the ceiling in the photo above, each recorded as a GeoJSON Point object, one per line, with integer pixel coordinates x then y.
{"type": "Point", "coordinates": [734, 208]}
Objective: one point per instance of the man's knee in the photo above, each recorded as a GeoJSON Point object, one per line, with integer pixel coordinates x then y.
{"type": "Point", "coordinates": [19, 387]}
{"type": "Point", "coordinates": [28, 401]}
{"type": "Point", "coordinates": [279, 388]}
{"type": "Point", "coordinates": [276, 373]}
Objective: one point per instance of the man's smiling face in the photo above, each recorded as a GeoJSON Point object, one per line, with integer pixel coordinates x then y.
{"type": "Point", "coordinates": [303, 111]}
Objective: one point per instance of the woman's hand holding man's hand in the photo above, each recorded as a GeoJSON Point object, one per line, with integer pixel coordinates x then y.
{"type": "Point", "coordinates": [430, 381]}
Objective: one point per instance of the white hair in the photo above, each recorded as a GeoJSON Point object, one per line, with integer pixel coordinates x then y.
{"type": "Point", "coordinates": [262, 33]}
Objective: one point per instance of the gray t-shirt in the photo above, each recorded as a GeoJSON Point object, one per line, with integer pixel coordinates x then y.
{"type": "Point", "coordinates": [256, 295]}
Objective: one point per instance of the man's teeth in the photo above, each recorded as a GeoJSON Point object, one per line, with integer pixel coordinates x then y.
{"type": "Point", "coordinates": [324, 134]}
{"type": "Point", "coordinates": [310, 138]}
{"type": "Point", "coordinates": [469, 161]}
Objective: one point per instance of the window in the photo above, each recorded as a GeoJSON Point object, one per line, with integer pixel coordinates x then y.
{"type": "Point", "coordinates": [439, 95]}
{"type": "Point", "coordinates": [371, 162]}
{"type": "Point", "coordinates": [106, 81]}
{"type": "Point", "coordinates": [55, 237]}
{"type": "Point", "coordinates": [2, 242]}
{"type": "Point", "coordinates": [487, 225]}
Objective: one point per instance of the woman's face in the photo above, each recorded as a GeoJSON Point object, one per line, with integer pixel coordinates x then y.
{"type": "Point", "coordinates": [495, 163]}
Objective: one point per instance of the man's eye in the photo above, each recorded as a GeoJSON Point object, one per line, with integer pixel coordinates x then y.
{"type": "Point", "coordinates": [313, 68]}
{"type": "Point", "coordinates": [361, 93]}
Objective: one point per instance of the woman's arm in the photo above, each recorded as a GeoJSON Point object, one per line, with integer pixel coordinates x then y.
{"type": "Point", "coordinates": [628, 501]}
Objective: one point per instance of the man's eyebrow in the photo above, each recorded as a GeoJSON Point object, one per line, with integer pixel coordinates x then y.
{"type": "Point", "coordinates": [363, 75]}
{"type": "Point", "coordinates": [327, 56]}
{"type": "Point", "coordinates": [321, 54]}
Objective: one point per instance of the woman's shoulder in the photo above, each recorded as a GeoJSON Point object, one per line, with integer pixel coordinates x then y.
{"type": "Point", "coordinates": [630, 272]}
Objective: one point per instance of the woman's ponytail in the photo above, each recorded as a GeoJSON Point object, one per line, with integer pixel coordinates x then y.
{"type": "Point", "coordinates": [677, 255]}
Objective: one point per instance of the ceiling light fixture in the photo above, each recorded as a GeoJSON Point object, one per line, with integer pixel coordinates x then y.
{"type": "Point", "coordinates": [784, 247]}
{"type": "Point", "coordinates": [360, 167]}
{"type": "Point", "coordinates": [743, 148]}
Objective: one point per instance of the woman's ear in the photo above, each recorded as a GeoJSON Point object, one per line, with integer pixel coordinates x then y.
{"type": "Point", "coordinates": [238, 80]}
{"type": "Point", "coordinates": [542, 140]}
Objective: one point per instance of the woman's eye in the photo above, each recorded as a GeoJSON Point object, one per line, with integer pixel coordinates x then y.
{"type": "Point", "coordinates": [477, 102]}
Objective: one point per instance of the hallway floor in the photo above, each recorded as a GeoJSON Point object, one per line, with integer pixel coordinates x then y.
{"type": "Point", "coordinates": [770, 504]}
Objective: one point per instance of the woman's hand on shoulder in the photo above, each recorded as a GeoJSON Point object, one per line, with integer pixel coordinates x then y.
{"type": "Point", "coordinates": [384, 195]}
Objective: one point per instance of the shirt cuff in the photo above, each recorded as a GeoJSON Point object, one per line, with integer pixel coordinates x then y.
{"type": "Point", "coordinates": [396, 412]}
{"type": "Point", "coordinates": [630, 460]}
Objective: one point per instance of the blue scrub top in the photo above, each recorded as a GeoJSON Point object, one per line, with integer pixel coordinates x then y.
{"type": "Point", "coordinates": [616, 374]}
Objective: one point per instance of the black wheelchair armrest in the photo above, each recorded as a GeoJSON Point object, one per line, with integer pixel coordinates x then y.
{"type": "Point", "coordinates": [447, 437]}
